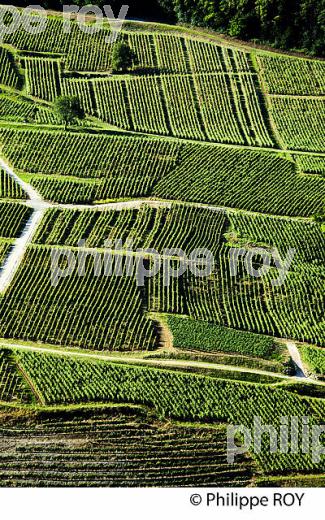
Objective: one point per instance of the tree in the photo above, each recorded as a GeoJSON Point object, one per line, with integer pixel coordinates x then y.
{"type": "Point", "coordinates": [69, 109]}
{"type": "Point", "coordinates": [122, 57]}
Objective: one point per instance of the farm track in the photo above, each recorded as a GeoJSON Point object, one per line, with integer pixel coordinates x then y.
{"type": "Point", "coordinates": [17, 252]}
{"type": "Point", "coordinates": [296, 358]}
{"type": "Point", "coordinates": [168, 363]}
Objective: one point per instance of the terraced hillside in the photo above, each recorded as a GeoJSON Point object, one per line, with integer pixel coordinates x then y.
{"type": "Point", "coordinates": [200, 145]}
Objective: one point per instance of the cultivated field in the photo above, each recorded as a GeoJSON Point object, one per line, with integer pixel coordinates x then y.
{"type": "Point", "coordinates": [200, 144]}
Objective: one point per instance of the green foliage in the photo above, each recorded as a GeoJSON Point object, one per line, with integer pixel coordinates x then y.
{"type": "Point", "coordinates": [9, 188]}
{"type": "Point", "coordinates": [287, 75]}
{"type": "Point", "coordinates": [43, 79]}
{"type": "Point", "coordinates": [253, 304]}
{"type": "Point", "coordinates": [196, 335]}
{"type": "Point", "coordinates": [180, 226]}
{"type": "Point", "coordinates": [103, 312]}
{"type": "Point", "coordinates": [122, 57]}
{"type": "Point", "coordinates": [246, 179]}
{"type": "Point", "coordinates": [68, 109]}
{"type": "Point", "coordinates": [12, 385]}
{"type": "Point", "coordinates": [230, 359]}
{"type": "Point", "coordinates": [8, 71]}
{"type": "Point", "coordinates": [301, 122]}
{"type": "Point", "coordinates": [62, 379]}
{"type": "Point", "coordinates": [129, 166]}
{"type": "Point", "coordinates": [283, 233]}
{"type": "Point", "coordinates": [13, 217]}
{"type": "Point", "coordinates": [4, 250]}
{"type": "Point", "coordinates": [315, 358]}
{"type": "Point", "coordinates": [17, 108]}
{"type": "Point", "coordinates": [282, 23]}
{"type": "Point", "coordinates": [311, 164]}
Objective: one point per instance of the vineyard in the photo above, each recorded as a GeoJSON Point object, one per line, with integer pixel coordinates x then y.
{"type": "Point", "coordinates": [196, 335]}
{"type": "Point", "coordinates": [255, 181]}
{"type": "Point", "coordinates": [198, 144]}
{"type": "Point", "coordinates": [247, 180]}
{"type": "Point", "coordinates": [146, 452]}
{"type": "Point", "coordinates": [291, 76]}
{"type": "Point", "coordinates": [104, 321]}
{"type": "Point", "coordinates": [300, 122]}
{"type": "Point", "coordinates": [8, 71]}
{"type": "Point", "coordinates": [12, 386]}
{"type": "Point", "coordinates": [4, 250]}
{"type": "Point", "coordinates": [9, 189]}
{"type": "Point", "coordinates": [62, 379]}
{"type": "Point", "coordinates": [12, 219]}
{"type": "Point", "coordinates": [43, 78]}
{"type": "Point", "coordinates": [315, 359]}
{"type": "Point", "coordinates": [13, 108]}
{"type": "Point", "coordinates": [311, 164]}
{"type": "Point", "coordinates": [237, 303]}
{"type": "Point", "coordinates": [183, 227]}
{"type": "Point", "coordinates": [304, 236]}
{"type": "Point", "coordinates": [294, 309]}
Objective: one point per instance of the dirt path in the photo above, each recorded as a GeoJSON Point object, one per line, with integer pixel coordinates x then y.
{"type": "Point", "coordinates": [296, 358]}
{"type": "Point", "coordinates": [33, 195]}
{"type": "Point", "coordinates": [116, 206]}
{"type": "Point", "coordinates": [17, 252]}
{"type": "Point", "coordinates": [166, 340]}
{"type": "Point", "coordinates": [173, 363]}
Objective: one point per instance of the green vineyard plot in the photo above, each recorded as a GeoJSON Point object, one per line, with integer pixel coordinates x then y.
{"type": "Point", "coordinates": [196, 335]}
{"type": "Point", "coordinates": [105, 320]}
{"type": "Point", "coordinates": [199, 143]}
{"type": "Point", "coordinates": [168, 169]}
{"type": "Point", "coordinates": [300, 122]}
{"type": "Point", "coordinates": [9, 189]}
{"type": "Point", "coordinates": [291, 76]}
{"type": "Point", "coordinates": [61, 379]}
{"type": "Point", "coordinates": [13, 217]}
